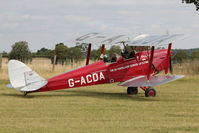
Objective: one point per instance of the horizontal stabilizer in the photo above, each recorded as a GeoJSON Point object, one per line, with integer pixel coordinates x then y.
{"type": "Point", "coordinates": [22, 78]}
{"type": "Point", "coordinates": [34, 86]}
{"type": "Point", "coordinates": [142, 81]}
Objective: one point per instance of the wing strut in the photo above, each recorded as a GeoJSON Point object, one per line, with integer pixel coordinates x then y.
{"type": "Point", "coordinates": [88, 54]}
{"type": "Point", "coordinates": [168, 58]}
{"type": "Point", "coordinates": [150, 62]}
{"type": "Point", "coordinates": [102, 52]}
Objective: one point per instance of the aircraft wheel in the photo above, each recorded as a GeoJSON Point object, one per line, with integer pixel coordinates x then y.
{"type": "Point", "coordinates": [150, 92]}
{"type": "Point", "coordinates": [132, 90]}
{"type": "Point", "coordinates": [25, 93]}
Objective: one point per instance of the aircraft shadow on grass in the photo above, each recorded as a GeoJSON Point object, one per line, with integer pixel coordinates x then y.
{"type": "Point", "coordinates": [85, 93]}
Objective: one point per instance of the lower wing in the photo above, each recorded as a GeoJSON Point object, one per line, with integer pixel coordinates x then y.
{"type": "Point", "coordinates": [142, 81]}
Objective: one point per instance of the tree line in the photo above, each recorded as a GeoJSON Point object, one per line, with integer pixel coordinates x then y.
{"type": "Point", "coordinates": [195, 2]}
{"type": "Point", "coordinates": [65, 54]}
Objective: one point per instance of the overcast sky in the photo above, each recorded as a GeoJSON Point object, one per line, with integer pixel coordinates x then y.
{"type": "Point", "coordinates": [43, 23]}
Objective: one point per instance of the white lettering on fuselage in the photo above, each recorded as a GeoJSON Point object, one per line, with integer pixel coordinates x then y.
{"type": "Point", "coordinates": [95, 77]}
{"type": "Point", "coordinates": [128, 66]}
{"type": "Point", "coordinates": [71, 82]}
{"type": "Point", "coordinates": [87, 79]}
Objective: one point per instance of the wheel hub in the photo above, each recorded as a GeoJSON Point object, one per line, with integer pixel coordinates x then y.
{"type": "Point", "coordinates": [151, 93]}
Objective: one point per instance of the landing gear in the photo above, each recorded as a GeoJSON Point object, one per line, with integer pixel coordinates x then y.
{"type": "Point", "coordinates": [25, 93]}
{"type": "Point", "coordinates": [132, 90]}
{"type": "Point", "coordinates": [150, 92]}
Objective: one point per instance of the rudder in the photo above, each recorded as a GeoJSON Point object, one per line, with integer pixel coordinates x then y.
{"type": "Point", "coordinates": [22, 78]}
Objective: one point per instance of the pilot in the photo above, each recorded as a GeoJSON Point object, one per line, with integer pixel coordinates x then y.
{"type": "Point", "coordinates": [105, 58]}
{"type": "Point", "coordinates": [133, 52]}
{"type": "Point", "coordinates": [114, 58]}
{"type": "Point", "coordinates": [124, 54]}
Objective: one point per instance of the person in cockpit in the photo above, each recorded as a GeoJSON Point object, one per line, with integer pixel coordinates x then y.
{"type": "Point", "coordinates": [114, 58]}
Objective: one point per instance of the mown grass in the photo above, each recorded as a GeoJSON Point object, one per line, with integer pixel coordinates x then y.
{"type": "Point", "coordinates": [104, 108]}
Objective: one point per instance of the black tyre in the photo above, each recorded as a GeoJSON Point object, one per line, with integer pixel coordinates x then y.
{"type": "Point", "coordinates": [25, 93]}
{"type": "Point", "coordinates": [150, 92]}
{"type": "Point", "coordinates": [132, 90]}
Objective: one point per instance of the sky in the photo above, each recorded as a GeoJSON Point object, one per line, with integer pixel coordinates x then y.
{"type": "Point", "coordinates": [44, 23]}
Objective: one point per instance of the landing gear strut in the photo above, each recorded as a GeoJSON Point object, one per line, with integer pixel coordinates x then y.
{"type": "Point", "coordinates": [150, 92]}
{"type": "Point", "coordinates": [132, 90]}
{"type": "Point", "coordinates": [25, 93]}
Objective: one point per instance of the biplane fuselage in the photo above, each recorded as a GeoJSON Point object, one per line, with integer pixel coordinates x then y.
{"type": "Point", "coordinates": [132, 70]}
{"type": "Point", "coordinates": [100, 72]}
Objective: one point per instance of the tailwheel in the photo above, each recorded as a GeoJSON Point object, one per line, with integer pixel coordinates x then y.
{"type": "Point", "coordinates": [150, 92]}
{"type": "Point", "coordinates": [132, 90]}
{"type": "Point", "coordinates": [25, 93]}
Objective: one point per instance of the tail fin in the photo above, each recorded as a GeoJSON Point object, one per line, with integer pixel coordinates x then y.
{"type": "Point", "coordinates": [22, 78]}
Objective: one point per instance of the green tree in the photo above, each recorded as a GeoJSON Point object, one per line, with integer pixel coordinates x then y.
{"type": "Point", "coordinates": [83, 47]}
{"type": "Point", "coordinates": [61, 52]}
{"type": "Point", "coordinates": [195, 55]}
{"type": "Point", "coordinates": [75, 54]}
{"type": "Point", "coordinates": [21, 52]}
{"type": "Point", "coordinates": [195, 2]}
{"type": "Point", "coordinates": [95, 54]}
{"type": "Point", "coordinates": [128, 48]}
{"type": "Point", "coordinates": [114, 49]}
{"type": "Point", "coordinates": [181, 56]}
{"type": "Point", "coordinates": [43, 52]}
{"type": "Point", "coordinates": [5, 54]}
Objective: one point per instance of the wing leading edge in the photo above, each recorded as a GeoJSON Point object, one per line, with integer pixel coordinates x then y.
{"type": "Point", "coordinates": [154, 40]}
{"type": "Point", "coordinates": [142, 81]}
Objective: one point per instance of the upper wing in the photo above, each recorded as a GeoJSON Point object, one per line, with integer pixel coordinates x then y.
{"type": "Point", "coordinates": [141, 40]}
{"type": "Point", "coordinates": [153, 40]}
{"type": "Point", "coordinates": [142, 81]}
{"type": "Point", "coordinates": [97, 38]}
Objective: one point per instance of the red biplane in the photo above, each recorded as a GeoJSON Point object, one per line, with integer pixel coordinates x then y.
{"type": "Point", "coordinates": [133, 70]}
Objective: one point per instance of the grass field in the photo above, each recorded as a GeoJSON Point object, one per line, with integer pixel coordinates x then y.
{"type": "Point", "coordinates": [102, 109]}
